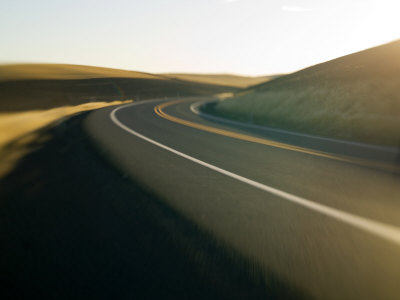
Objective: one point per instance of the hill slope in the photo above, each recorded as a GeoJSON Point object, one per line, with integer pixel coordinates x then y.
{"type": "Point", "coordinates": [355, 97]}
{"type": "Point", "coordinates": [64, 72]}
{"type": "Point", "coordinates": [43, 86]}
{"type": "Point", "coordinates": [223, 79]}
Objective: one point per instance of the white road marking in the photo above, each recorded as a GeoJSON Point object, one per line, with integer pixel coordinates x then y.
{"type": "Point", "coordinates": [388, 232]}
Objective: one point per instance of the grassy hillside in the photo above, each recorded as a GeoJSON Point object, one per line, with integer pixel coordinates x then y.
{"type": "Point", "coordinates": [44, 86]}
{"type": "Point", "coordinates": [223, 79]}
{"type": "Point", "coordinates": [355, 97]}
{"type": "Point", "coordinates": [64, 71]}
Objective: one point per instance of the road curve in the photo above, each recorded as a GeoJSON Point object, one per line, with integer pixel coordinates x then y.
{"type": "Point", "coordinates": [327, 224]}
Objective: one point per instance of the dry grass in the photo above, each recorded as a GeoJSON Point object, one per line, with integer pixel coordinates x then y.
{"type": "Point", "coordinates": [19, 129]}
{"type": "Point", "coordinates": [223, 79]}
{"type": "Point", "coordinates": [44, 86]}
{"type": "Point", "coordinates": [71, 72]}
{"type": "Point", "coordinates": [65, 72]}
{"type": "Point", "coordinates": [356, 97]}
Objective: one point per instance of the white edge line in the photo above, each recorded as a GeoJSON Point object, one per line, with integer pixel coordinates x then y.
{"type": "Point", "coordinates": [385, 231]}
{"type": "Point", "coordinates": [195, 109]}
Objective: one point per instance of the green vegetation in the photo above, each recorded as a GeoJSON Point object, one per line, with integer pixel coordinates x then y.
{"type": "Point", "coordinates": [355, 97]}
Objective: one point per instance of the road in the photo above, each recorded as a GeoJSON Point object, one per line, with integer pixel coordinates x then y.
{"type": "Point", "coordinates": [327, 223]}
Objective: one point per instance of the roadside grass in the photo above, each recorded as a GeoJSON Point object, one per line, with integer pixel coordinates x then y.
{"type": "Point", "coordinates": [19, 129]}
{"type": "Point", "coordinates": [356, 97]}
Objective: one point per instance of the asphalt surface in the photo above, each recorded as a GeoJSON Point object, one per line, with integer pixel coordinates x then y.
{"type": "Point", "coordinates": [329, 227]}
{"type": "Point", "coordinates": [74, 227]}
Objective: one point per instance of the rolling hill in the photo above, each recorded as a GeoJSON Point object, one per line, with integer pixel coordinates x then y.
{"type": "Point", "coordinates": [355, 97]}
{"type": "Point", "coordinates": [64, 72]}
{"type": "Point", "coordinates": [223, 79]}
{"type": "Point", "coordinates": [44, 86]}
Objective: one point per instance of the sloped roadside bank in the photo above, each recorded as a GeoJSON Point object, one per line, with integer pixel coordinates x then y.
{"type": "Point", "coordinates": [354, 98]}
{"type": "Point", "coordinates": [379, 157]}
{"type": "Point", "coordinates": [74, 227]}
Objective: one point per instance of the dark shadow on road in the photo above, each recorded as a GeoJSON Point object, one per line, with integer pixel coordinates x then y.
{"type": "Point", "coordinates": [72, 227]}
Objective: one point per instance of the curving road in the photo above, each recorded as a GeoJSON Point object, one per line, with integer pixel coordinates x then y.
{"type": "Point", "coordinates": [321, 214]}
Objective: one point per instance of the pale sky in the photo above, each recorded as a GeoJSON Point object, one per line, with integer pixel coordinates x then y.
{"type": "Point", "coordinates": [251, 37]}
